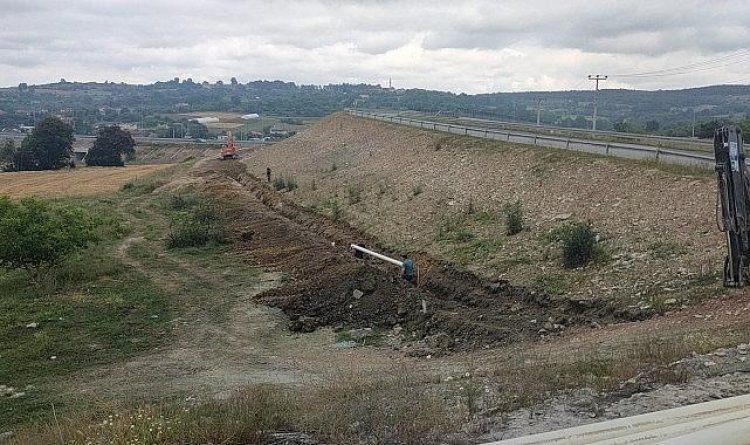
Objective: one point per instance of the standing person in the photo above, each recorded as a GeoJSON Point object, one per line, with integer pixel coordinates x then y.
{"type": "Point", "coordinates": [407, 270]}
{"type": "Point", "coordinates": [268, 174]}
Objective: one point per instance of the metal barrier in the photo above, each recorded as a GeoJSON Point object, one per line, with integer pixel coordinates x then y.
{"type": "Point", "coordinates": [629, 151]}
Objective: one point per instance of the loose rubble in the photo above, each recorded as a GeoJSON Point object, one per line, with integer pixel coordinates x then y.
{"type": "Point", "coordinates": [720, 374]}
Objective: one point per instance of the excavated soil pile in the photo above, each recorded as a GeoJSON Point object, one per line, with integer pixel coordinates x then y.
{"type": "Point", "coordinates": [327, 286]}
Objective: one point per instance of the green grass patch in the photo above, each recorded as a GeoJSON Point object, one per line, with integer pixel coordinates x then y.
{"type": "Point", "coordinates": [372, 338]}
{"type": "Point", "coordinates": [354, 194]}
{"type": "Point", "coordinates": [453, 228]}
{"type": "Point", "coordinates": [664, 249]}
{"type": "Point", "coordinates": [475, 250]}
{"type": "Point", "coordinates": [199, 225]}
{"type": "Point", "coordinates": [513, 218]}
{"type": "Point", "coordinates": [147, 184]}
{"type": "Point", "coordinates": [92, 310]}
{"type": "Point", "coordinates": [552, 284]}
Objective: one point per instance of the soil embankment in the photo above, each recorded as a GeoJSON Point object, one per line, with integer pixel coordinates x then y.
{"type": "Point", "coordinates": [447, 309]}
{"type": "Point", "coordinates": [417, 190]}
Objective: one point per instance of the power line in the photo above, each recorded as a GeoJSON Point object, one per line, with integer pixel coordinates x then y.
{"type": "Point", "coordinates": [709, 64]}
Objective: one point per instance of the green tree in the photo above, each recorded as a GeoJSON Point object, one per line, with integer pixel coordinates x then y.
{"type": "Point", "coordinates": [8, 155]}
{"type": "Point", "coordinates": [744, 125]}
{"type": "Point", "coordinates": [48, 147]}
{"type": "Point", "coordinates": [111, 144]}
{"type": "Point", "coordinates": [36, 237]}
{"type": "Point", "coordinates": [197, 130]}
{"type": "Point", "coordinates": [652, 126]}
{"type": "Point", "coordinates": [624, 127]}
{"type": "Point", "coordinates": [705, 130]}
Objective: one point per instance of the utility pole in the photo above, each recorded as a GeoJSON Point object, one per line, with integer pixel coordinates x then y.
{"type": "Point", "coordinates": [693, 123]}
{"type": "Point", "coordinates": [538, 110]}
{"type": "Point", "coordinates": [596, 78]}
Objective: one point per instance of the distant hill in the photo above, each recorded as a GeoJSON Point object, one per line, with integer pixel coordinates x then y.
{"type": "Point", "coordinates": [85, 104]}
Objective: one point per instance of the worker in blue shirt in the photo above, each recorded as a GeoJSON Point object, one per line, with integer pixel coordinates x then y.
{"type": "Point", "coordinates": [407, 269]}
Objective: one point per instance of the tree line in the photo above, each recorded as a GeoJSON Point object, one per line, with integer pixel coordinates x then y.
{"type": "Point", "coordinates": [49, 146]}
{"type": "Point", "coordinates": [667, 112]}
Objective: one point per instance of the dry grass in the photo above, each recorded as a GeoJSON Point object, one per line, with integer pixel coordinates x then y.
{"type": "Point", "coordinates": [76, 182]}
{"type": "Point", "coordinates": [350, 409]}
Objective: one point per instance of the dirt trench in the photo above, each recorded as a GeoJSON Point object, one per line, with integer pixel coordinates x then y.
{"type": "Point", "coordinates": [326, 286]}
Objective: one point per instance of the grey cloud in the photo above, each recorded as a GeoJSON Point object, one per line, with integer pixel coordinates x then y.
{"type": "Point", "coordinates": [464, 46]}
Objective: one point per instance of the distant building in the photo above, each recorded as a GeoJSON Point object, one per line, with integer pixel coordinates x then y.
{"type": "Point", "coordinates": [281, 130]}
{"type": "Point", "coordinates": [131, 127]}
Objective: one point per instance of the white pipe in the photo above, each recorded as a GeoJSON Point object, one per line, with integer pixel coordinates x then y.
{"type": "Point", "coordinates": [377, 255]}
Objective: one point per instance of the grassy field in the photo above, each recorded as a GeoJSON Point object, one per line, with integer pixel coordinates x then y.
{"type": "Point", "coordinates": [109, 314]}
{"type": "Point", "coordinates": [79, 181]}
{"type": "Point", "coordinates": [112, 301]}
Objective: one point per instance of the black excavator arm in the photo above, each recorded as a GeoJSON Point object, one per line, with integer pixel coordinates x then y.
{"type": "Point", "coordinates": [733, 187]}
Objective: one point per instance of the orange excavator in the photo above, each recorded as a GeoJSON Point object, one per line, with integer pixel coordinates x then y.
{"type": "Point", "coordinates": [228, 149]}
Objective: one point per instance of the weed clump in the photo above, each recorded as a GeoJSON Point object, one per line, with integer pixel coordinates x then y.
{"type": "Point", "coordinates": [579, 243]}
{"type": "Point", "coordinates": [336, 211]}
{"type": "Point", "coordinates": [199, 226]}
{"type": "Point", "coordinates": [513, 218]}
{"type": "Point", "coordinates": [181, 202]}
{"type": "Point", "coordinates": [280, 183]}
{"type": "Point", "coordinates": [142, 187]}
{"type": "Point", "coordinates": [291, 183]}
{"type": "Point", "coordinates": [453, 228]}
{"type": "Point", "coordinates": [470, 208]}
{"type": "Point", "coordinates": [354, 194]}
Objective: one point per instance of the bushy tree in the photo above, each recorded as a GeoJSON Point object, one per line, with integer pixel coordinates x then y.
{"type": "Point", "coordinates": [35, 236]}
{"type": "Point", "coordinates": [12, 156]}
{"type": "Point", "coordinates": [652, 126]}
{"type": "Point", "coordinates": [48, 147]}
{"type": "Point", "coordinates": [111, 144]}
{"type": "Point", "coordinates": [705, 130]}
{"type": "Point", "coordinates": [197, 130]}
{"type": "Point", "coordinates": [8, 152]}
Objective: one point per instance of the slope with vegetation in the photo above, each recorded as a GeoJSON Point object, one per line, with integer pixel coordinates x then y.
{"type": "Point", "coordinates": [642, 239]}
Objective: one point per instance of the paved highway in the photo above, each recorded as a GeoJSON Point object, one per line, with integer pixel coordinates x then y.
{"type": "Point", "coordinates": [630, 151]}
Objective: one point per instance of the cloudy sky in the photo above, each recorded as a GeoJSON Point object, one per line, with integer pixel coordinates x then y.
{"type": "Point", "coordinates": [462, 46]}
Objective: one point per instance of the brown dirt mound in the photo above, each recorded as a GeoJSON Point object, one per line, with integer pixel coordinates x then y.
{"type": "Point", "coordinates": [322, 277]}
